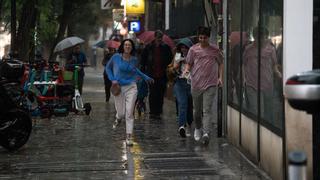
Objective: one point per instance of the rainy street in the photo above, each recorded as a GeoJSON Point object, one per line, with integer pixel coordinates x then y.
{"type": "Point", "coordinates": [223, 86]}
{"type": "Point", "coordinates": [86, 147]}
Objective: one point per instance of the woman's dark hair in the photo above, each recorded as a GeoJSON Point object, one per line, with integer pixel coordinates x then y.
{"type": "Point", "coordinates": [121, 50]}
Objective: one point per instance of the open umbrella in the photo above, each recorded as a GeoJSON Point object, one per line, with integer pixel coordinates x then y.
{"type": "Point", "coordinates": [148, 36]}
{"type": "Point", "coordinates": [67, 43]}
{"type": "Point", "coordinates": [113, 44]}
{"type": "Point", "coordinates": [108, 44]}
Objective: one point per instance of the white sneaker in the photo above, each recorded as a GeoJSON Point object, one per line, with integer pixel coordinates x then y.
{"type": "Point", "coordinates": [197, 134]}
{"type": "Point", "coordinates": [205, 139]}
{"type": "Point", "coordinates": [129, 142]}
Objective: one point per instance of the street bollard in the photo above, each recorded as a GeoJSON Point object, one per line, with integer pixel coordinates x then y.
{"type": "Point", "coordinates": [297, 165]}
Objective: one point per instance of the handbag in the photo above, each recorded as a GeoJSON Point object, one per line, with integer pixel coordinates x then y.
{"type": "Point", "coordinates": [115, 89]}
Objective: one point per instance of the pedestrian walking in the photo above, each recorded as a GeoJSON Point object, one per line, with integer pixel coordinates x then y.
{"type": "Point", "coordinates": [182, 88]}
{"type": "Point", "coordinates": [205, 65]}
{"type": "Point", "coordinates": [155, 58]}
{"type": "Point", "coordinates": [122, 71]}
{"type": "Point", "coordinates": [107, 83]}
{"type": "Point", "coordinates": [77, 57]}
{"type": "Point", "coordinates": [143, 91]}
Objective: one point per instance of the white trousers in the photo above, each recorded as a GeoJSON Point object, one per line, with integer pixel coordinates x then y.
{"type": "Point", "coordinates": [125, 103]}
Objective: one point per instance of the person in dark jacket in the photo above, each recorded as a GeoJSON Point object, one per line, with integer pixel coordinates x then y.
{"type": "Point", "coordinates": [77, 57]}
{"type": "Point", "coordinates": [155, 58]}
{"type": "Point", "coordinates": [182, 88]}
{"type": "Point", "coordinates": [107, 83]}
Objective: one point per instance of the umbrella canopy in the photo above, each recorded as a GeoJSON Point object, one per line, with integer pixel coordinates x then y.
{"type": "Point", "coordinates": [113, 44]}
{"type": "Point", "coordinates": [108, 44]}
{"type": "Point", "coordinates": [67, 43]}
{"type": "Point", "coordinates": [148, 36]}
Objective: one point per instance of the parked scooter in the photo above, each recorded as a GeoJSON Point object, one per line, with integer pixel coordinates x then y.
{"type": "Point", "coordinates": [15, 121]}
{"type": "Point", "coordinates": [77, 102]}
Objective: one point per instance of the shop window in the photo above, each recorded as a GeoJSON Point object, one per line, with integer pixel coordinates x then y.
{"type": "Point", "coordinates": [255, 60]}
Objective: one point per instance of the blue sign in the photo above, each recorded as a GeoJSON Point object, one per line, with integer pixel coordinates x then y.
{"type": "Point", "coordinates": [134, 26]}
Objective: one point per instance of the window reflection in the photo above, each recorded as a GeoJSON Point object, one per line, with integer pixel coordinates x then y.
{"type": "Point", "coordinates": [252, 58]}
{"type": "Point", "coordinates": [234, 66]}
{"type": "Point", "coordinates": [249, 67]}
{"type": "Point", "coordinates": [272, 100]}
{"type": "Point", "coordinates": [269, 69]}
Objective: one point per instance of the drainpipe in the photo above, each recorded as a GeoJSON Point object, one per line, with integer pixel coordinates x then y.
{"type": "Point", "coordinates": [225, 45]}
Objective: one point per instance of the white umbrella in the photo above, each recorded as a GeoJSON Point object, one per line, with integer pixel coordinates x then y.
{"type": "Point", "coordinates": [67, 43]}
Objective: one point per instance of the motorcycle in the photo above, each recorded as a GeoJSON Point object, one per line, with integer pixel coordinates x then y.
{"type": "Point", "coordinates": [15, 121]}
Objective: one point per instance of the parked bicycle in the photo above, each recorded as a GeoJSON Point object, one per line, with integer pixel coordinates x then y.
{"type": "Point", "coordinates": [15, 121]}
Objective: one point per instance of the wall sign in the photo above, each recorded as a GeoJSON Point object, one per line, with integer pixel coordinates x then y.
{"type": "Point", "coordinates": [134, 26]}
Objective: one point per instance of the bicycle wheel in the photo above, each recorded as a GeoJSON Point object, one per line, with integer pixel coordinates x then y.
{"type": "Point", "coordinates": [17, 131]}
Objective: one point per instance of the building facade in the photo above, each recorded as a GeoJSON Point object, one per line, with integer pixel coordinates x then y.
{"type": "Point", "coordinates": [264, 43]}
{"type": "Point", "coordinates": [267, 42]}
{"type": "Point", "coordinates": [177, 18]}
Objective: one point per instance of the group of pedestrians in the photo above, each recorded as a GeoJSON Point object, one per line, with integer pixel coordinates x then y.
{"type": "Point", "coordinates": [198, 72]}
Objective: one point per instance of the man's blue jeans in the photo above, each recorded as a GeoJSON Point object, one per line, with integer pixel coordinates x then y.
{"type": "Point", "coordinates": [182, 91]}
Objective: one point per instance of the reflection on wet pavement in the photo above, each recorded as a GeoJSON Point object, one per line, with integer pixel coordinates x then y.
{"type": "Point", "coordinates": [86, 147]}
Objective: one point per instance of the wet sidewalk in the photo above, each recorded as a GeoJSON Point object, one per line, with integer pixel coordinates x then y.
{"type": "Point", "coordinates": [86, 147]}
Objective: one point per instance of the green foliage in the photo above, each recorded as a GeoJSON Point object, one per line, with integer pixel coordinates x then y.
{"type": "Point", "coordinates": [86, 17]}
{"type": "Point", "coordinates": [47, 22]}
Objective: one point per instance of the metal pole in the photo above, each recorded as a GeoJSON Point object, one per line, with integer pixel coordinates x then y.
{"type": "Point", "coordinates": [297, 165]}
{"type": "Point", "coordinates": [316, 145]}
{"type": "Point", "coordinates": [225, 71]}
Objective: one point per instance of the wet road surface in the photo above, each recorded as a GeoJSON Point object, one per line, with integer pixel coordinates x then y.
{"type": "Point", "coordinates": [86, 147]}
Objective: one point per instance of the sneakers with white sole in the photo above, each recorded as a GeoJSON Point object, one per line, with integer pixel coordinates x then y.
{"type": "Point", "coordinates": [205, 139]}
{"type": "Point", "coordinates": [197, 134]}
{"type": "Point", "coordinates": [182, 131]}
{"type": "Point", "coordinates": [129, 142]}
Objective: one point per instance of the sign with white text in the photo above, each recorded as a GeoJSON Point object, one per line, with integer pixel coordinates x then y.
{"type": "Point", "coordinates": [134, 26]}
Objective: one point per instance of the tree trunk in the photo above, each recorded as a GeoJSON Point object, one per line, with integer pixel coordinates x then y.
{"type": "Point", "coordinates": [25, 35]}
{"type": "Point", "coordinates": [64, 20]}
{"type": "Point", "coordinates": [13, 26]}
{"type": "Point", "coordinates": [1, 5]}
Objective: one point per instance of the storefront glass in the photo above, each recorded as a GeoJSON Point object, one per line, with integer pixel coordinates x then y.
{"type": "Point", "coordinates": [234, 60]}
{"type": "Point", "coordinates": [271, 98]}
{"type": "Point", "coordinates": [255, 60]}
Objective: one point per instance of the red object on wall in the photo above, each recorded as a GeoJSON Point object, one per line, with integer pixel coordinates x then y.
{"type": "Point", "coordinates": [216, 1]}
